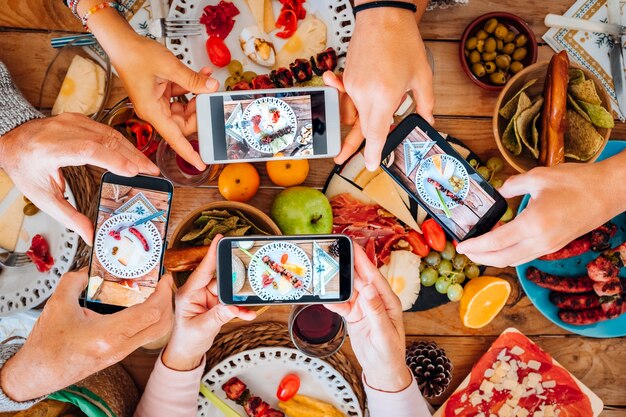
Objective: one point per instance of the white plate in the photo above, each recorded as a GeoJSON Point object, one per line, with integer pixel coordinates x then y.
{"type": "Point", "coordinates": [336, 14]}
{"type": "Point", "coordinates": [262, 108]}
{"type": "Point", "coordinates": [428, 192]}
{"type": "Point", "coordinates": [275, 250]}
{"type": "Point", "coordinates": [262, 369]}
{"type": "Point", "coordinates": [104, 244]}
{"type": "Point", "coordinates": [25, 288]}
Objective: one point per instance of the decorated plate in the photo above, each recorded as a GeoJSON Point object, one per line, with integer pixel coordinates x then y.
{"type": "Point", "coordinates": [127, 257]}
{"type": "Point", "coordinates": [447, 171]}
{"type": "Point", "coordinates": [276, 250]}
{"type": "Point", "coordinates": [262, 369]}
{"type": "Point", "coordinates": [270, 125]}
{"type": "Point", "coordinates": [576, 266]}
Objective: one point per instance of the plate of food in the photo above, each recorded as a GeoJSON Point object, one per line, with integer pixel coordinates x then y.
{"type": "Point", "coordinates": [442, 181]}
{"type": "Point", "coordinates": [280, 271]}
{"type": "Point", "coordinates": [270, 125]}
{"type": "Point", "coordinates": [515, 377]}
{"type": "Point", "coordinates": [249, 380]}
{"type": "Point", "coordinates": [581, 287]}
{"type": "Point", "coordinates": [127, 251]}
{"type": "Point", "coordinates": [255, 44]}
{"type": "Point", "coordinates": [51, 246]}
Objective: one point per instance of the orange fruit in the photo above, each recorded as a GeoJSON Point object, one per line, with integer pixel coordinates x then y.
{"type": "Point", "coordinates": [288, 173]}
{"type": "Point", "coordinates": [238, 182]}
{"type": "Point", "coordinates": [483, 298]}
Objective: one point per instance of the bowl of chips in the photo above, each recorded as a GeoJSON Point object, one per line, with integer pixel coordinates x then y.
{"type": "Point", "coordinates": [517, 117]}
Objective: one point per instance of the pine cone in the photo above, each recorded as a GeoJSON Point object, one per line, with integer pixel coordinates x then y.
{"type": "Point", "coordinates": [430, 366]}
{"type": "Point", "coordinates": [333, 249]}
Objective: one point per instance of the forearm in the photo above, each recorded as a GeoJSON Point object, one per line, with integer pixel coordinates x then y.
{"type": "Point", "coordinates": [7, 401]}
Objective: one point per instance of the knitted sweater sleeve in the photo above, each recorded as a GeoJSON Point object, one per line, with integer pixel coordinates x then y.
{"type": "Point", "coordinates": [14, 109]}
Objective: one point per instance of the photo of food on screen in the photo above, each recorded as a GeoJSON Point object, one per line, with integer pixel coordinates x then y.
{"type": "Point", "coordinates": [285, 271]}
{"type": "Point", "coordinates": [128, 242]}
{"type": "Point", "coordinates": [441, 182]}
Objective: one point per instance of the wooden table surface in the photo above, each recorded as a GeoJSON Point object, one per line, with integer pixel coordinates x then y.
{"type": "Point", "coordinates": [462, 110]}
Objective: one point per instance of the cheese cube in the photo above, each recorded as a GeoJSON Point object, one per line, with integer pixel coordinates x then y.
{"type": "Point", "coordinates": [502, 354]}
{"type": "Point", "coordinates": [475, 398]}
{"type": "Point", "coordinates": [458, 411]}
{"type": "Point", "coordinates": [486, 386]}
{"type": "Point", "coordinates": [513, 401]}
{"type": "Point", "coordinates": [488, 373]}
{"type": "Point", "coordinates": [464, 398]}
{"type": "Point", "coordinates": [518, 391]}
{"type": "Point", "coordinates": [549, 384]}
{"type": "Point", "coordinates": [522, 413]}
{"type": "Point", "coordinates": [517, 350]}
{"type": "Point", "coordinates": [539, 389]}
{"type": "Point", "coordinates": [505, 411]}
{"type": "Point", "coordinates": [509, 384]}
{"type": "Point", "coordinates": [533, 364]}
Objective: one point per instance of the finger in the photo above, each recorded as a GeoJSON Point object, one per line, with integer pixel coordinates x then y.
{"type": "Point", "coordinates": [371, 275]}
{"type": "Point", "coordinates": [71, 285]}
{"type": "Point", "coordinates": [504, 236]}
{"type": "Point", "coordinates": [184, 114]}
{"type": "Point", "coordinates": [215, 318]}
{"type": "Point", "coordinates": [343, 309]}
{"type": "Point", "coordinates": [332, 80]}
{"type": "Point", "coordinates": [375, 310]}
{"type": "Point", "coordinates": [190, 80]}
{"type": "Point", "coordinates": [511, 256]}
{"type": "Point", "coordinates": [205, 272]}
{"type": "Point", "coordinates": [246, 314]}
{"type": "Point", "coordinates": [424, 97]}
{"type": "Point", "coordinates": [351, 143]}
{"type": "Point", "coordinates": [177, 90]}
{"type": "Point", "coordinates": [376, 129]}
{"type": "Point", "coordinates": [517, 185]}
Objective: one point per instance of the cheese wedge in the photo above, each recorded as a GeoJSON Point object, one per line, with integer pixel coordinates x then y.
{"type": "Point", "coordinates": [5, 185]}
{"type": "Point", "coordinates": [257, 8]}
{"type": "Point", "coordinates": [339, 185]}
{"type": "Point", "coordinates": [269, 21]}
{"type": "Point", "coordinates": [11, 224]}
{"type": "Point", "coordinates": [382, 189]}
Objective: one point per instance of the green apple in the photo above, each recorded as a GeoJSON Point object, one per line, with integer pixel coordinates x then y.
{"type": "Point", "coordinates": [302, 211]}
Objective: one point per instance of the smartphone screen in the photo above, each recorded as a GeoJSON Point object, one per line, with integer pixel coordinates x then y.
{"type": "Point", "coordinates": [463, 202]}
{"type": "Point", "coordinates": [258, 270]}
{"type": "Point", "coordinates": [129, 236]}
{"type": "Point", "coordinates": [248, 125]}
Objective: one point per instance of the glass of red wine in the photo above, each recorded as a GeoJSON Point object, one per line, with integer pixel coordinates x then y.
{"type": "Point", "coordinates": [179, 171]}
{"type": "Point", "coordinates": [316, 331]}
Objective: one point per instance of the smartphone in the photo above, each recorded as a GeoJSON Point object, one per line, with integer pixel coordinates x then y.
{"type": "Point", "coordinates": [260, 125]}
{"type": "Point", "coordinates": [129, 237]}
{"type": "Point", "coordinates": [441, 180]}
{"type": "Point", "coordinates": [307, 269]}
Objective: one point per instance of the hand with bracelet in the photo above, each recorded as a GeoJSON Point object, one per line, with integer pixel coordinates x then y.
{"type": "Point", "coordinates": [386, 58]}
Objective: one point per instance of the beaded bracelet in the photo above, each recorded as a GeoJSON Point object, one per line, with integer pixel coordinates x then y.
{"type": "Point", "coordinates": [73, 5]}
{"type": "Point", "coordinates": [376, 4]}
{"type": "Point", "coordinates": [97, 8]}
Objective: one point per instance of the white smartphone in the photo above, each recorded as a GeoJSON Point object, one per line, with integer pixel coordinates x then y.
{"type": "Point", "coordinates": [261, 125]}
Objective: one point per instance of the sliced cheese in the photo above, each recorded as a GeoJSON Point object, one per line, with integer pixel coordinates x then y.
{"type": "Point", "coordinates": [94, 285]}
{"type": "Point", "coordinates": [339, 185]}
{"type": "Point", "coordinates": [382, 189]}
{"type": "Point", "coordinates": [269, 21]}
{"type": "Point", "coordinates": [5, 184]}
{"type": "Point", "coordinates": [11, 223]}
{"type": "Point", "coordinates": [257, 8]}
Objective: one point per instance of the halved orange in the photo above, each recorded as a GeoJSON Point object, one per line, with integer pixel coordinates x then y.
{"type": "Point", "coordinates": [483, 298]}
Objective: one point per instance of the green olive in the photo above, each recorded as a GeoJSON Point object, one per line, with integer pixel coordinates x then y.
{"type": "Point", "coordinates": [497, 78]}
{"type": "Point", "coordinates": [30, 209]}
{"type": "Point", "coordinates": [490, 67]}
{"type": "Point", "coordinates": [503, 62]}
{"type": "Point", "coordinates": [230, 81]}
{"type": "Point", "coordinates": [478, 70]}
{"type": "Point", "coordinates": [471, 43]}
{"type": "Point", "coordinates": [509, 48]}
{"type": "Point", "coordinates": [474, 57]}
{"type": "Point", "coordinates": [482, 35]}
{"type": "Point", "coordinates": [501, 31]}
{"type": "Point", "coordinates": [480, 45]}
{"type": "Point", "coordinates": [509, 37]}
{"type": "Point", "coordinates": [519, 54]}
{"type": "Point", "coordinates": [490, 45]}
{"type": "Point", "coordinates": [489, 56]}
{"type": "Point", "coordinates": [516, 67]}
{"type": "Point", "coordinates": [248, 76]}
{"type": "Point", "coordinates": [521, 40]}
{"type": "Point", "coordinates": [235, 67]}
{"type": "Point", "coordinates": [490, 25]}
{"type": "Point", "coordinates": [499, 45]}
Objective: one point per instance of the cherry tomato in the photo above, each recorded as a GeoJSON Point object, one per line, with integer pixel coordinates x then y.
{"type": "Point", "coordinates": [218, 51]}
{"type": "Point", "coordinates": [288, 20]}
{"type": "Point", "coordinates": [288, 387]}
{"type": "Point", "coordinates": [418, 245]}
{"type": "Point", "coordinates": [434, 235]}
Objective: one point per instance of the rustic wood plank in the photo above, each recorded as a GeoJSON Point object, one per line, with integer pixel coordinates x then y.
{"type": "Point", "coordinates": [37, 14]}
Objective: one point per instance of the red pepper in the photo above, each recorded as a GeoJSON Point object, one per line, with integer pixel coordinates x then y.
{"type": "Point", "coordinates": [141, 131]}
{"type": "Point", "coordinates": [434, 235]}
{"type": "Point", "coordinates": [288, 19]}
{"type": "Point", "coordinates": [418, 245]}
{"type": "Point", "coordinates": [39, 253]}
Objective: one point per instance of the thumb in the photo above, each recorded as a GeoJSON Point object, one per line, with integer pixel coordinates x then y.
{"type": "Point", "coordinates": [192, 81]}
{"type": "Point", "coordinates": [215, 318]}
{"type": "Point", "coordinates": [516, 185]}
{"type": "Point", "coordinates": [332, 80]}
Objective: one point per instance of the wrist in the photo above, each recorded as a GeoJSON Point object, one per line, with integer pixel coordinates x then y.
{"type": "Point", "coordinates": [360, 2]}
{"type": "Point", "coordinates": [614, 184]}
{"type": "Point", "coordinates": [15, 382]}
{"type": "Point", "coordinates": [179, 359]}
{"type": "Point", "coordinates": [383, 378]}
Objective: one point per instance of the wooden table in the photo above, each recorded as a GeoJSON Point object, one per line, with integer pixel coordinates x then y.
{"type": "Point", "coordinates": [26, 27]}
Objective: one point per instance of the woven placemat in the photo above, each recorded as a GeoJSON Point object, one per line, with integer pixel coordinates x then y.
{"type": "Point", "coordinates": [276, 334]}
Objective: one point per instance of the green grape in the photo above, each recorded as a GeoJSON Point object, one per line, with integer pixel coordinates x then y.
{"type": "Point", "coordinates": [471, 271]}
{"type": "Point", "coordinates": [442, 285]}
{"type": "Point", "coordinates": [455, 292]}
{"type": "Point", "coordinates": [230, 81]}
{"type": "Point", "coordinates": [448, 252]}
{"type": "Point", "coordinates": [458, 277]}
{"type": "Point", "coordinates": [248, 76]}
{"type": "Point", "coordinates": [445, 267]}
{"type": "Point", "coordinates": [235, 68]}
{"type": "Point", "coordinates": [429, 277]}
{"type": "Point", "coordinates": [422, 266]}
{"type": "Point", "coordinates": [460, 261]}
{"type": "Point", "coordinates": [473, 163]}
{"type": "Point", "coordinates": [496, 182]}
{"type": "Point", "coordinates": [433, 259]}
{"type": "Point", "coordinates": [495, 164]}
{"type": "Point", "coordinates": [508, 215]}
{"type": "Point", "coordinates": [484, 172]}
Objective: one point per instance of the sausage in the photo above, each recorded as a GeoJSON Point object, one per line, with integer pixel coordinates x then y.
{"type": "Point", "coordinates": [580, 301]}
{"type": "Point", "coordinates": [570, 285]}
{"type": "Point", "coordinates": [574, 248]}
{"type": "Point", "coordinates": [553, 118]}
{"type": "Point", "coordinates": [608, 288]}
{"type": "Point", "coordinates": [583, 317]}
{"type": "Point", "coordinates": [141, 238]}
{"type": "Point", "coordinates": [184, 259]}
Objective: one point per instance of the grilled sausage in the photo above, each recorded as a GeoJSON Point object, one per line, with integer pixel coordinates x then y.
{"type": "Point", "coordinates": [569, 285]}
{"type": "Point", "coordinates": [580, 301]}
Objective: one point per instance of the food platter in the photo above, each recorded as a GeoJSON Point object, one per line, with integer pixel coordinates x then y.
{"type": "Point", "coordinates": [263, 368]}
{"type": "Point", "coordinates": [275, 251]}
{"type": "Point", "coordinates": [573, 267]}
{"type": "Point", "coordinates": [450, 168]}
{"type": "Point", "coordinates": [265, 117]}
{"type": "Point", "coordinates": [126, 256]}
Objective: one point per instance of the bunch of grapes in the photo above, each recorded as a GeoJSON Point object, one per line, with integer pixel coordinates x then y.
{"type": "Point", "coordinates": [488, 171]}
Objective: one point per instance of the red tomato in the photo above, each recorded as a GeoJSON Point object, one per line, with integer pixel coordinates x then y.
{"type": "Point", "coordinates": [218, 51]}
{"type": "Point", "coordinates": [418, 245]}
{"type": "Point", "coordinates": [288, 387]}
{"type": "Point", "coordinates": [289, 21]}
{"type": "Point", "coordinates": [434, 235]}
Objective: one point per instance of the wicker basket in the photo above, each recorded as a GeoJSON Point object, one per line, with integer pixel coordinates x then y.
{"type": "Point", "coordinates": [276, 334]}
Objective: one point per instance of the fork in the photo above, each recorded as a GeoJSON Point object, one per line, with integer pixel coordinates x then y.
{"type": "Point", "coordinates": [14, 259]}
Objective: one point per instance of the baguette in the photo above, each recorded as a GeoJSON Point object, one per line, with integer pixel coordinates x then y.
{"type": "Point", "coordinates": [553, 116]}
{"type": "Point", "coordinates": [184, 259]}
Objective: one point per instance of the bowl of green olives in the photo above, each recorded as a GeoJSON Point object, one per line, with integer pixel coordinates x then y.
{"type": "Point", "coordinates": [495, 47]}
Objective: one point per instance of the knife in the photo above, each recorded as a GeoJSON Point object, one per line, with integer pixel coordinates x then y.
{"type": "Point", "coordinates": [616, 58]}
{"type": "Point", "coordinates": [572, 23]}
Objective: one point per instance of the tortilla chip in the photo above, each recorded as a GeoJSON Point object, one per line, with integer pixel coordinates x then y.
{"type": "Point", "coordinates": [534, 132]}
{"type": "Point", "coordinates": [585, 91]}
{"type": "Point", "coordinates": [240, 231]}
{"type": "Point", "coordinates": [257, 229]}
{"type": "Point", "coordinates": [576, 76]}
{"type": "Point", "coordinates": [510, 138]}
{"type": "Point", "coordinates": [597, 115]}
{"type": "Point", "coordinates": [510, 108]}
{"type": "Point", "coordinates": [222, 214]}
{"type": "Point", "coordinates": [523, 123]}
{"type": "Point", "coordinates": [571, 102]}
{"type": "Point", "coordinates": [200, 232]}
{"type": "Point", "coordinates": [582, 140]}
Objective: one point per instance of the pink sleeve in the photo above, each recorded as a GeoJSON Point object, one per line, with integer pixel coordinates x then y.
{"type": "Point", "coordinates": [406, 403]}
{"type": "Point", "coordinates": [171, 393]}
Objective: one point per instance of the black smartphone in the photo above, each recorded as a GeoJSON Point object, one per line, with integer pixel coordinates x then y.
{"type": "Point", "coordinates": [441, 180]}
{"type": "Point", "coordinates": [129, 237]}
{"type": "Point", "coordinates": [306, 269]}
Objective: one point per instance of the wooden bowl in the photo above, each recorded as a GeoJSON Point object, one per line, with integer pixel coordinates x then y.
{"type": "Point", "coordinates": [260, 219]}
{"type": "Point", "coordinates": [513, 22]}
{"type": "Point", "coordinates": [525, 161]}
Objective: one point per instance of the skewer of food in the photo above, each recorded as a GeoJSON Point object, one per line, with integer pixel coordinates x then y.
{"type": "Point", "coordinates": [254, 406]}
{"type": "Point", "coordinates": [276, 267]}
